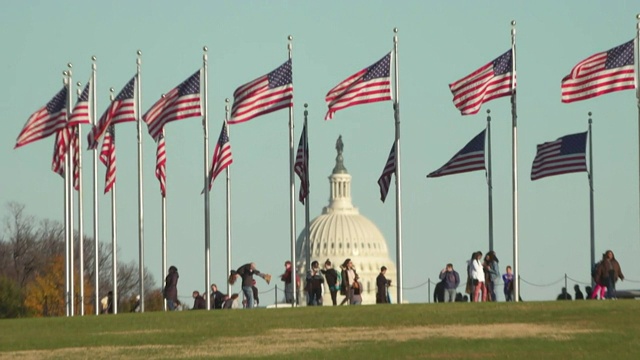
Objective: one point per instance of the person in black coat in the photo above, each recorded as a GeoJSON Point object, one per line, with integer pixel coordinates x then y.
{"type": "Point", "coordinates": [382, 284]}
{"type": "Point", "coordinates": [170, 291]}
{"type": "Point", "coordinates": [331, 275]}
{"type": "Point", "coordinates": [199, 303]}
{"type": "Point", "coordinates": [216, 297]}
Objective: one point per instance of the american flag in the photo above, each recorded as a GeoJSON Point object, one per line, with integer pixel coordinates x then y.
{"type": "Point", "coordinates": [389, 169]}
{"type": "Point", "coordinates": [368, 85]}
{"type": "Point", "coordinates": [60, 146]}
{"type": "Point", "coordinates": [75, 146]}
{"type": "Point", "coordinates": [263, 95]}
{"type": "Point", "coordinates": [81, 112]}
{"type": "Point", "coordinates": [470, 158]}
{"type": "Point", "coordinates": [301, 166]}
{"type": "Point", "coordinates": [600, 74]}
{"type": "Point", "coordinates": [48, 120]}
{"type": "Point", "coordinates": [161, 165]}
{"type": "Point", "coordinates": [180, 103]}
{"type": "Point", "coordinates": [221, 155]}
{"type": "Point", "coordinates": [563, 156]}
{"type": "Point", "coordinates": [487, 83]}
{"type": "Point", "coordinates": [122, 109]}
{"type": "Point", "coordinates": [108, 158]}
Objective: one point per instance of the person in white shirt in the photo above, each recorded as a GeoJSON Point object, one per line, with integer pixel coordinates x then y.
{"type": "Point", "coordinates": [477, 276]}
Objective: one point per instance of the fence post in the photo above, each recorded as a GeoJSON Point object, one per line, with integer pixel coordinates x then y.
{"type": "Point", "coordinates": [566, 289]}
{"type": "Point", "coordinates": [276, 296]}
{"type": "Point", "coordinates": [428, 290]}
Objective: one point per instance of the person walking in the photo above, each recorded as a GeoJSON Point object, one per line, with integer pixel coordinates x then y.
{"type": "Point", "coordinates": [170, 291]}
{"type": "Point", "coordinates": [315, 282]}
{"type": "Point", "coordinates": [332, 277]}
{"type": "Point", "coordinates": [611, 273]}
{"type": "Point", "coordinates": [451, 280]}
{"type": "Point", "coordinates": [348, 278]}
{"type": "Point", "coordinates": [216, 297]}
{"type": "Point", "coordinates": [382, 284]}
{"type": "Point", "coordinates": [596, 274]}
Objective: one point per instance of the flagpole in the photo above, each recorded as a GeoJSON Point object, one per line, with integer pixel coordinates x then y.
{"type": "Point", "coordinates": [94, 115]}
{"type": "Point", "coordinates": [207, 220]}
{"type": "Point", "coordinates": [228, 173]}
{"type": "Point", "coordinates": [140, 189]}
{"type": "Point", "coordinates": [396, 108]}
{"type": "Point", "coordinates": [638, 92]}
{"type": "Point", "coordinates": [164, 231]}
{"type": "Point", "coordinates": [114, 238]}
{"type": "Point", "coordinates": [306, 200]}
{"type": "Point", "coordinates": [292, 191]}
{"type": "Point", "coordinates": [69, 182]}
{"type": "Point", "coordinates": [66, 81]}
{"type": "Point", "coordinates": [591, 207]}
{"type": "Point", "coordinates": [80, 212]}
{"type": "Point", "coordinates": [489, 180]}
{"type": "Point", "coordinates": [514, 162]}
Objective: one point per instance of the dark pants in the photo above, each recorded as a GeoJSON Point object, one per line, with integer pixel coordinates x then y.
{"type": "Point", "coordinates": [611, 288]}
{"type": "Point", "coordinates": [334, 296]}
{"type": "Point", "coordinates": [315, 297]}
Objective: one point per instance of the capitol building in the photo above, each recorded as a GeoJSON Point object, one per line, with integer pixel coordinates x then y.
{"type": "Point", "coordinates": [341, 232]}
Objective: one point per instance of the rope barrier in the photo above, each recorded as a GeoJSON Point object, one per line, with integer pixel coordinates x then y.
{"type": "Point", "coordinates": [542, 285]}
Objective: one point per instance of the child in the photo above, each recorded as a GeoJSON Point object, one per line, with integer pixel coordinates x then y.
{"type": "Point", "coordinates": [507, 279]}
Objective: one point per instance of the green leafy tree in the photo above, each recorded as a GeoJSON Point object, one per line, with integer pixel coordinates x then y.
{"type": "Point", "coordinates": [10, 299]}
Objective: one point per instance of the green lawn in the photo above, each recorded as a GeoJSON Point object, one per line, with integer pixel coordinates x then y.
{"type": "Point", "coordinates": [536, 330]}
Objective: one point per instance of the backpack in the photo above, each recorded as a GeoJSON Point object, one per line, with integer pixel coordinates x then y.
{"type": "Point", "coordinates": [594, 269]}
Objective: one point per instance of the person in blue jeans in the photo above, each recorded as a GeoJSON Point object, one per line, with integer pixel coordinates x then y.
{"type": "Point", "coordinates": [246, 272]}
{"type": "Point", "coordinates": [451, 280]}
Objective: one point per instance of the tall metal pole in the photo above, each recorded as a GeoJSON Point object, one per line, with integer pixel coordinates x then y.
{"type": "Point", "coordinates": [591, 207]}
{"type": "Point", "coordinates": [67, 229]}
{"type": "Point", "coordinates": [307, 239]}
{"type": "Point", "coordinates": [207, 217]}
{"type": "Point", "coordinates": [396, 113]}
{"type": "Point", "coordinates": [94, 117]}
{"type": "Point", "coordinates": [69, 182]}
{"type": "Point", "coordinates": [140, 188]}
{"type": "Point", "coordinates": [80, 213]}
{"type": "Point", "coordinates": [164, 232]}
{"type": "Point", "coordinates": [292, 195]}
{"type": "Point", "coordinates": [489, 180]}
{"type": "Point", "coordinates": [227, 109]}
{"type": "Point", "coordinates": [514, 148]}
{"type": "Point", "coordinates": [114, 232]}
{"type": "Point", "coordinates": [638, 92]}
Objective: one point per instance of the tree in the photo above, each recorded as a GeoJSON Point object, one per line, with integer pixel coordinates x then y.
{"type": "Point", "coordinates": [10, 299]}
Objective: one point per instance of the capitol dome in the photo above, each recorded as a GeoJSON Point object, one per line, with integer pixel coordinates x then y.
{"type": "Point", "coordinates": [340, 232]}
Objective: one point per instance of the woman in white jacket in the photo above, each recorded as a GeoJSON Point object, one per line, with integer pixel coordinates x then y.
{"type": "Point", "coordinates": [477, 274]}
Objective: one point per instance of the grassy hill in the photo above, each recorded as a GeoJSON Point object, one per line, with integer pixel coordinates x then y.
{"type": "Point", "coordinates": [537, 330]}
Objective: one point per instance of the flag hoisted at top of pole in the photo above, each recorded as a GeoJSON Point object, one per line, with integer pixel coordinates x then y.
{"type": "Point", "coordinates": [81, 112]}
{"type": "Point", "coordinates": [161, 165]}
{"type": "Point", "coordinates": [108, 158]}
{"type": "Point", "coordinates": [371, 84]}
{"type": "Point", "coordinates": [491, 81]}
{"type": "Point", "coordinates": [121, 109]}
{"type": "Point", "coordinates": [301, 166]}
{"type": "Point", "coordinates": [221, 155]}
{"type": "Point", "coordinates": [182, 102]}
{"type": "Point", "coordinates": [389, 169]}
{"type": "Point", "coordinates": [470, 158]}
{"type": "Point", "coordinates": [601, 73]}
{"type": "Point", "coordinates": [46, 121]}
{"type": "Point", "coordinates": [268, 93]}
{"type": "Point", "coordinates": [563, 156]}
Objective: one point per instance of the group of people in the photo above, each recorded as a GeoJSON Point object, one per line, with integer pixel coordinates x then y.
{"type": "Point", "coordinates": [482, 280]}
{"type": "Point", "coordinates": [484, 275]}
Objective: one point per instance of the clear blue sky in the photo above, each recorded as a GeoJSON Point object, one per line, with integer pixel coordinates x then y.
{"type": "Point", "coordinates": [444, 220]}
